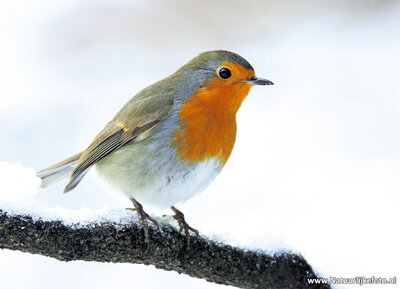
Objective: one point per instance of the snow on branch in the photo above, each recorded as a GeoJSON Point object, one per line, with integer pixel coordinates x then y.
{"type": "Point", "coordinates": [108, 241]}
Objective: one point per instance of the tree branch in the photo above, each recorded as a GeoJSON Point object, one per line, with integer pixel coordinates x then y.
{"type": "Point", "coordinates": [110, 242]}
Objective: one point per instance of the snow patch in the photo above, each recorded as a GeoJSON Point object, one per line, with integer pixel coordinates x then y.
{"type": "Point", "coordinates": [20, 186]}
{"type": "Point", "coordinates": [18, 182]}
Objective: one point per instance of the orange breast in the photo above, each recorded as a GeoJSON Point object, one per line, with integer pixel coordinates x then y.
{"type": "Point", "coordinates": [208, 122]}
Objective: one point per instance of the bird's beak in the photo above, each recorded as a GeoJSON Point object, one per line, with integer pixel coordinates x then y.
{"type": "Point", "coordinates": [259, 81]}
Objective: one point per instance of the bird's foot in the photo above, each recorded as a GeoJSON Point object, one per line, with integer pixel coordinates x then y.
{"type": "Point", "coordinates": [143, 217]}
{"type": "Point", "coordinates": [180, 218]}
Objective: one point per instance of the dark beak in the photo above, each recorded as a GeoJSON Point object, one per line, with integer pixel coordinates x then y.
{"type": "Point", "coordinates": [259, 81]}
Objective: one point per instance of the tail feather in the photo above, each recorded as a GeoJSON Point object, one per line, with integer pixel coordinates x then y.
{"type": "Point", "coordinates": [58, 172]}
{"type": "Point", "coordinates": [75, 180]}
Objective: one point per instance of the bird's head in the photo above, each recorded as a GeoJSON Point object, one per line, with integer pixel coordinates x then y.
{"type": "Point", "coordinates": [224, 79]}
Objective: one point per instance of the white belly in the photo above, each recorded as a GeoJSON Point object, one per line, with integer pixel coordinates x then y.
{"type": "Point", "coordinates": [165, 185]}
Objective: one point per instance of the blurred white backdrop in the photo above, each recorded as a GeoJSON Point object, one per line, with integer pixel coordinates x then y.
{"type": "Point", "coordinates": [316, 164]}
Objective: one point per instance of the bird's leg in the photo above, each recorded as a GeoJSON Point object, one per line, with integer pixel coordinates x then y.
{"type": "Point", "coordinates": [179, 217]}
{"type": "Point", "coordinates": [143, 217]}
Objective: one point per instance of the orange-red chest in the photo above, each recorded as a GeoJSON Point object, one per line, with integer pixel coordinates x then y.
{"type": "Point", "coordinates": [208, 122]}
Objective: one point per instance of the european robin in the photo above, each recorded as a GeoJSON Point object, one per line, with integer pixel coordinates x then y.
{"type": "Point", "coordinates": [171, 140]}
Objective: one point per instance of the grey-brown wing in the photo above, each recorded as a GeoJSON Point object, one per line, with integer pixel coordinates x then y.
{"type": "Point", "coordinates": [110, 139]}
{"type": "Point", "coordinates": [137, 117]}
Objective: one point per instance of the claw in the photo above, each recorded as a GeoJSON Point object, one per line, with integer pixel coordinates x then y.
{"type": "Point", "coordinates": [143, 217]}
{"type": "Point", "coordinates": [180, 218]}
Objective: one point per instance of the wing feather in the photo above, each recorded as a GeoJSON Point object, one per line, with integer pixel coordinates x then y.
{"type": "Point", "coordinates": [99, 150]}
{"type": "Point", "coordinates": [137, 118]}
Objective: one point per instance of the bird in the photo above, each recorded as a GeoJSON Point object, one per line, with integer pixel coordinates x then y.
{"type": "Point", "coordinates": [170, 140]}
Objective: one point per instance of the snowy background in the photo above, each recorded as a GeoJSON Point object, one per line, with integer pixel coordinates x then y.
{"type": "Point", "coordinates": [316, 164]}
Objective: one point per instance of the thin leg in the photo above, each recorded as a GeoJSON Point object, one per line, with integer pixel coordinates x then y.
{"type": "Point", "coordinates": [179, 217]}
{"type": "Point", "coordinates": [143, 217]}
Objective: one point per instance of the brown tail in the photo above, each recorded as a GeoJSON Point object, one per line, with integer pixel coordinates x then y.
{"type": "Point", "coordinates": [58, 172]}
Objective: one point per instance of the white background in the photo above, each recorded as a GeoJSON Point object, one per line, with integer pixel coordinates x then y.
{"type": "Point", "coordinates": [316, 164]}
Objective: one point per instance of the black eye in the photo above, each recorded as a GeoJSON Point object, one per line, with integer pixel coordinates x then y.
{"type": "Point", "coordinates": [225, 73]}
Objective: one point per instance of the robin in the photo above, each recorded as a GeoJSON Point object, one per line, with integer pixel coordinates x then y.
{"type": "Point", "coordinates": [171, 140]}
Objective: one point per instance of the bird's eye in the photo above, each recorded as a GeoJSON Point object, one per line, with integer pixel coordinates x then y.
{"type": "Point", "coordinates": [225, 73]}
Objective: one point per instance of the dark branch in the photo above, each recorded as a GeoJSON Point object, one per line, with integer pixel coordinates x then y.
{"type": "Point", "coordinates": [110, 242]}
